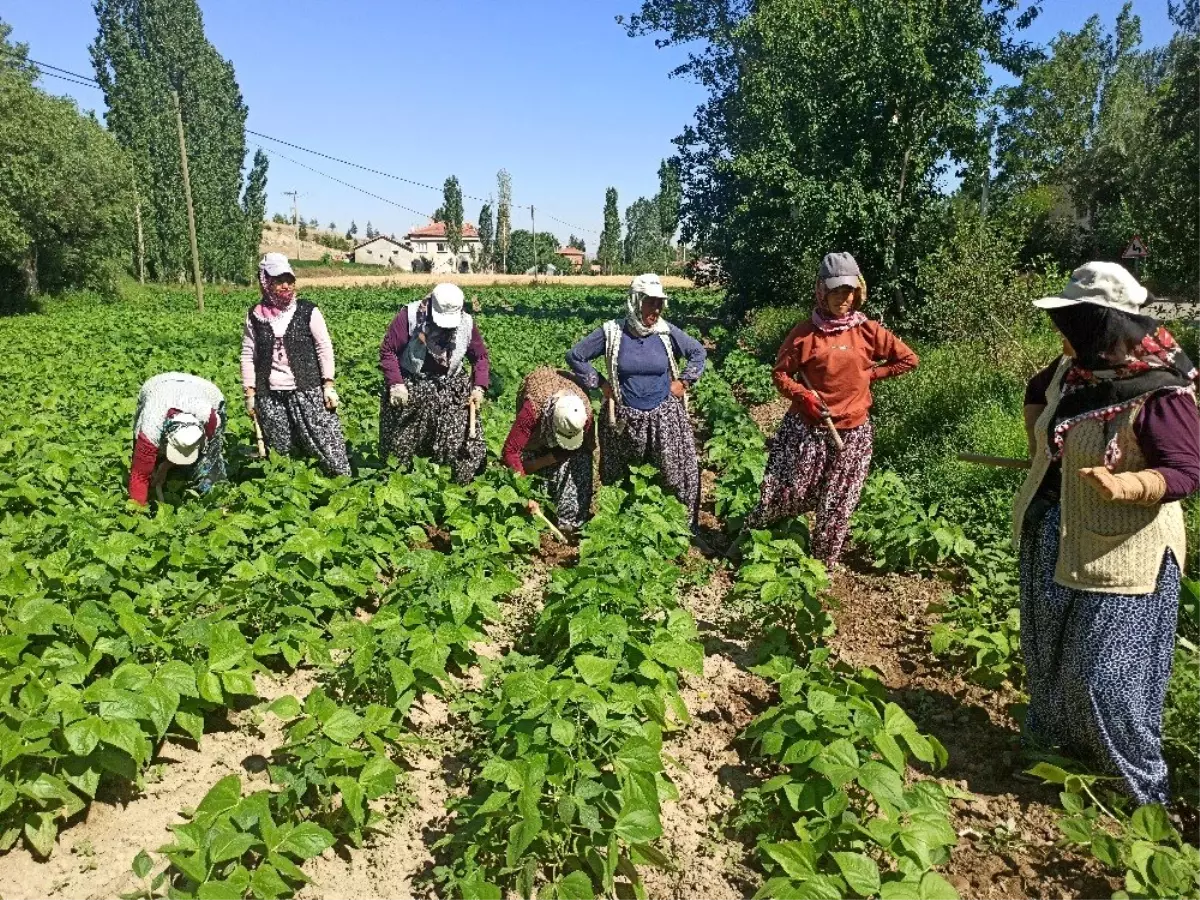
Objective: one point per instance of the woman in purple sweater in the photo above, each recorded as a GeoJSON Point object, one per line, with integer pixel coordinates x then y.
{"type": "Point", "coordinates": [1115, 444]}
{"type": "Point", "coordinates": [645, 420]}
{"type": "Point", "coordinates": [428, 394]}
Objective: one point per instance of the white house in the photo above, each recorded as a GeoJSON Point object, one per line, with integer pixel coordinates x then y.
{"type": "Point", "coordinates": [384, 251]}
{"type": "Point", "coordinates": [429, 242]}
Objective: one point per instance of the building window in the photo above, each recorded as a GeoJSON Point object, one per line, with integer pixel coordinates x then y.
{"type": "Point", "coordinates": [441, 248]}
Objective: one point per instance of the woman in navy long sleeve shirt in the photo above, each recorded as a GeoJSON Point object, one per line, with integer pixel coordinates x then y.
{"type": "Point", "coordinates": [644, 390]}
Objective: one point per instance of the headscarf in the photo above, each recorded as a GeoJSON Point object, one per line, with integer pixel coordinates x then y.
{"type": "Point", "coordinates": [276, 299]}
{"type": "Point", "coordinates": [633, 317]}
{"type": "Point", "coordinates": [828, 324]}
{"type": "Point", "coordinates": [439, 342]}
{"type": "Point", "coordinates": [1120, 359]}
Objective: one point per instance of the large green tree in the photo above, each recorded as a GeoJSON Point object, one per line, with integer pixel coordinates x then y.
{"type": "Point", "coordinates": [609, 252]}
{"type": "Point", "coordinates": [254, 204]}
{"type": "Point", "coordinates": [827, 127]}
{"type": "Point", "coordinates": [520, 251]}
{"type": "Point", "coordinates": [144, 51]}
{"type": "Point", "coordinates": [643, 246]}
{"type": "Point", "coordinates": [669, 199]}
{"type": "Point", "coordinates": [66, 191]}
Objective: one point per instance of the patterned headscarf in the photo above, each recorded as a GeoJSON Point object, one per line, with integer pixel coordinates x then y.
{"type": "Point", "coordinates": [275, 298]}
{"type": "Point", "coordinates": [1120, 359]}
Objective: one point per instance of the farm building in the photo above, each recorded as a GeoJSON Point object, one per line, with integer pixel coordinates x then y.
{"type": "Point", "coordinates": [384, 251]}
{"type": "Point", "coordinates": [575, 255]}
{"type": "Point", "coordinates": [429, 242]}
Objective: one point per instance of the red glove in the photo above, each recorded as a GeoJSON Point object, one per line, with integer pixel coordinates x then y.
{"type": "Point", "coordinates": [810, 404]}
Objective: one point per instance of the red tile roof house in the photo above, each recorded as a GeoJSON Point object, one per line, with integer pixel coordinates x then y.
{"type": "Point", "coordinates": [429, 242]}
{"type": "Point", "coordinates": [575, 255]}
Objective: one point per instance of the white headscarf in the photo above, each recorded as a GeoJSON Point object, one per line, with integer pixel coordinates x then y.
{"type": "Point", "coordinates": [633, 316]}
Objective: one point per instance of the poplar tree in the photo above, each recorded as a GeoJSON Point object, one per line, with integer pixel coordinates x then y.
{"type": "Point", "coordinates": [254, 204]}
{"type": "Point", "coordinates": [503, 214]}
{"type": "Point", "coordinates": [452, 212]}
{"type": "Point", "coordinates": [487, 234]}
{"type": "Point", "coordinates": [609, 252]}
{"type": "Point", "coordinates": [145, 50]}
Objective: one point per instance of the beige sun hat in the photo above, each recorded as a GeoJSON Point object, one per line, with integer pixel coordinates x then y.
{"type": "Point", "coordinates": [1107, 284]}
{"type": "Point", "coordinates": [184, 439]}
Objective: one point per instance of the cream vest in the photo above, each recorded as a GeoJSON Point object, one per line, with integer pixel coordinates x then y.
{"type": "Point", "coordinates": [1112, 548]}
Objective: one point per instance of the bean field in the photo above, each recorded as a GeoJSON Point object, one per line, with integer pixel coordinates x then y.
{"type": "Point", "coordinates": [392, 685]}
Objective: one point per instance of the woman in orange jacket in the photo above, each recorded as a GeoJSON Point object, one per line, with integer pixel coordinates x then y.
{"type": "Point", "coordinates": [840, 353]}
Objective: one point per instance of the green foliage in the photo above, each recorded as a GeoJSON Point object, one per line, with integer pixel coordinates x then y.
{"type": "Point", "coordinates": [736, 450]}
{"type": "Point", "coordinates": [143, 51]}
{"type": "Point", "coordinates": [1146, 846]}
{"type": "Point", "coordinates": [570, 772]}
{"type": "Point", "coordinates": [66, 205]}
{"type": "Point", "coordinates": [904, 536]}
{"type": "Point", "coordinates": [750, 378]}
{"type": "Point", "coordinates": [643, 247]}
{"type": "Point", "coordinates": [503, 218]}
{"type": "Point", "coordinates": [487, 239]}
{"type": "Point", "coordinates": [669, 199]}
{"type": "Point", "coordinates": [781, 590]}
{"type": "Point", "coordinates": [521, 251]}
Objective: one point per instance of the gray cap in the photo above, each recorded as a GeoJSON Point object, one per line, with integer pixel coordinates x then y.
{"type": "Point", "coordinates": [839, 270]}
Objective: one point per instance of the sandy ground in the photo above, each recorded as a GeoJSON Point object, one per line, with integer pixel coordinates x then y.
{"type": "Point", "coordinates": [407, 279]}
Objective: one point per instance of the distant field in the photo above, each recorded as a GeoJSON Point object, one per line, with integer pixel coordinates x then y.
{"type": "Point", "coordinates": [351, 275]}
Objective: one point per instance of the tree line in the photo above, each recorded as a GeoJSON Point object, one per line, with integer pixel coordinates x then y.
{"type": "Point", "coordinates": [873, 126]}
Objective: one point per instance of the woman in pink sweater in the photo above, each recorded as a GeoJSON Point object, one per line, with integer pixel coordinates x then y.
{"type": "Point", "coordinates": [288, 368]}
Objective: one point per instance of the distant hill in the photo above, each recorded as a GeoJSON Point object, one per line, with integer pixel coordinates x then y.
{"type": "Point", "coordinates": [282, 239]}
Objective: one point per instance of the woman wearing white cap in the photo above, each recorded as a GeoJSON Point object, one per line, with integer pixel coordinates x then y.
{"type": "Point", "coordinates": [1115, 444]}
{"type": "Point", "coordinates": [553, 434]}
{"type": "Point", "coordinates": [180, 421]}
{"type": "Point", "coordinates": [645, 388]}
{"type": "Point", "coordinates": [288, 369]}
{"type": "Point", "coordinates": [428, 395]}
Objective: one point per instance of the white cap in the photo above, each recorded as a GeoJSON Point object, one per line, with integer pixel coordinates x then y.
{"type": "Point", "coordinates": [649, 285]}
{"type": "Point", "coordinates": [1101, 284]}
{"type": "Point", "coordinates": [570, 419]}
{"type": "Point", "coordinates": [447, 305]}
{"type": "Point", "coordinates": [276, 264]}
{"type": "Point", "coordinates": [184, 437]}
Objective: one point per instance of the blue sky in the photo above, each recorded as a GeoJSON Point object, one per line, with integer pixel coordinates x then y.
{"type": "Point", "coordinates": [554, 92]}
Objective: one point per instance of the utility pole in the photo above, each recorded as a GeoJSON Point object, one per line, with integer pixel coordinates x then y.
{"type": "Point", "coordinates": [187, 196]}
{"type": "Point", "coordinates": [295, 195]}
{"type": "Point", "coordinates": [533, 230]}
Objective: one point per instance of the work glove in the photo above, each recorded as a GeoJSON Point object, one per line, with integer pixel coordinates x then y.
{"type": "Point", "coordinates": [331, 397]}
{"type": "Point", "coordinates": [398, 395]}
{"type": "Point", "coordinates": [477, 397]}
{"type": "Point", "coordinates": [810, 403]}
{"type": "Point", "coordinates": [251, 410]}
{"type": "Point", "coordinates": [1144, 488]}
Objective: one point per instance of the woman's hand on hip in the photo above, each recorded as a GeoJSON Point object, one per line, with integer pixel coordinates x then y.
{"type": "Point", "coordinates": [678, 389]}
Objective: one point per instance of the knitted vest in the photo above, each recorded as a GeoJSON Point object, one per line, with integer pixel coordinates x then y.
{"type": "Point", "coordinates": [412, 360]}
{"type": "Point", "coordinates": [300, 346]}
{"type": "Point", "coordinates": [1107, 547]}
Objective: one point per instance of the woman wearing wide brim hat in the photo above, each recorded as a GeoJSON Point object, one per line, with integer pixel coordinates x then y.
{"type": "Point", "coordinates": [645, 389]}
{"type": "Point", "coordinates": [826, 367]}
{"type": "Point", "coordinates": [553, 434]}
{"type": "Point", "coordinates": [430, 404]}
{"type": "Point", "coordinates": [288, 371]}
{"type": "Point", "coordinates": [1115, 439]}
{"type": "Point", "coordinates": [180, 422]}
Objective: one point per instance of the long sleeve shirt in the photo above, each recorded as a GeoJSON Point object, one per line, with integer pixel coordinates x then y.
{"type": "Point", "coordinates": [524, 444]}
{"type": "Point", "coordinates": [841, 368]}
{"type": "Point", "coordinates": [643, 370]}
{"type": "Point", "coordinates": [281, 378]}
{"type": "Point", "coordinates": [396, 340]}
{"type": "Point", "coordinates": [160, 398]}
{"type": "Point", "coordinates": [1167, 431]}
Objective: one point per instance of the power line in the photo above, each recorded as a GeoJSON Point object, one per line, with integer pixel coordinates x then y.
{"type": "Point", "coordinates": [87, 81]}
{"type": "Point", "coordinates": [353, 187]}
{"type": "Point", "coordinates": [87, 84]}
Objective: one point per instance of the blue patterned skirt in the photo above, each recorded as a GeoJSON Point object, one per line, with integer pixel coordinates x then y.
{"type": "Point", "coordinates": [1097, 666]}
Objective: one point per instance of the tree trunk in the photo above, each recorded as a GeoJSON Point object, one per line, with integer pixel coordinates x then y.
{"type": "Point", "coordinates": [29, 273]}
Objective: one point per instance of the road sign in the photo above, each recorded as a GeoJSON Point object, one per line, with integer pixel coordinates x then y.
{"type": "Point", "coordinates": [1136, 249]}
